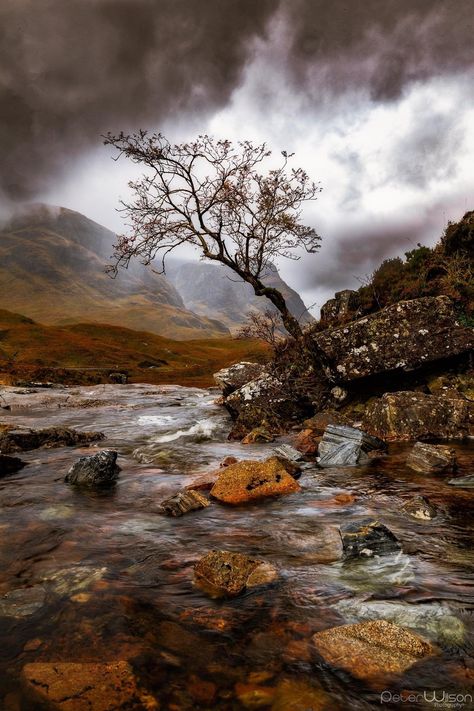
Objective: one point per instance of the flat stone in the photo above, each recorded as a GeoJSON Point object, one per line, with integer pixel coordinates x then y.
{"type": "Point", "coordinates": [367, 538]}
{"type": "Point", "coordinates": [431, 459]}
{"type": "Point", "coordinates": [250, 480]}
{"type": "Point", "coordinates": [9, 465]}
{"type": "Point", "coordinates": [286, 451]}
{"type": "Point", "coordinates": [23, 439]}
{"type": "Point", "coordinates": [100, 469]}
{"type": "Point", "coordinates": [74, 686]}
{"type": "Point", "coordinates": [22, 602]}
{"type": "Point", "coordinates": [370, 650]}
{"type": "Point", "coordinates": [183, 502]}
{"type": "Point", "coordinates": [463, 482]}
{"type": "Point", "coordinates": [227, 574]}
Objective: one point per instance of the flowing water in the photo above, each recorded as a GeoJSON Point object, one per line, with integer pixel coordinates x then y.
{"type": "Point", "coordinates": [101, 576]}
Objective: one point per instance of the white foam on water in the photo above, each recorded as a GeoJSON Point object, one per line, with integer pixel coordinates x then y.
{"type": "Point", "coordinates": [203, 428]}
{"type": "Point", "coordinates": [155, 419]}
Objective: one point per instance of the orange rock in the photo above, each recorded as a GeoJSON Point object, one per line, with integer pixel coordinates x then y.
{"type": "Point", "coordinates": [203, 482]}
{"type": "Point", "coordinates": [223, 573]}
{"type": "Point", "coordinates": [202, 691]}
{"type": "Point", "coordinates": [307, 441]}
{"type": "Point", "coordinates": [228, 461]}
{"type": "Point", "coordinates": [253, 696]}
{"type": "Point", "coordinates": [252, 480]}
{"type": "Point", "coordinates": [371, 650]}
{"type": "Point", "coordinates": [71, 686]}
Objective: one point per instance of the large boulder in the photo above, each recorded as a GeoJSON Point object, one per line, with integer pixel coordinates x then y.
{"type": "Point", "coordinates": [343, 446]}
{"type": "Point", "coordinates": [226, 574]}
{"type": "Point", "coordinates": [9, 465]}
{"type": "Point", "coordinates": [369, 650]}
{"type": "Point", "coordinates": [100, 469]}
{"type": "Point", "coordinates": [23, 439]}
{"type": "Point", "coordinates": [234, 377]}
{"type": "Point", "coordinates": [431, 459]}
{"type": "Point", "coordinates": [252, 480]}
{"type": "Point", "coordinates": [412, 415]}
{"type": "Point", "coordinates": [266, 401]}
{"type": "Point", "coordinates": [401, 337]}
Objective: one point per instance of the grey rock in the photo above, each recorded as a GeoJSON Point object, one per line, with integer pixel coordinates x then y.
{"type": "Point", "coordinates": [234, 377]}
{"type": "Point", "coordinates": [368, 538]}
{"type": "Point", "coordinates": [183, 502]}
{"type": "Point", "coordinates": [286, 451]}
{"type": "Point", "coordinates": [346, 446]}
{"type": "Point", "coordinates": [100, 469]}
{"type": "Point", "coordinates": [464, 482]}
{"type": "Point", "coordinates": [22, 602]}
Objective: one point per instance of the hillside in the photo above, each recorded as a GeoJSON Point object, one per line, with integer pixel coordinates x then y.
{"type": "Point", "coordinates": [85, 353]}
{"type": "Point", "coordinates": [52, 269]}
{"type": "Point", "coordinates": [214, 292]}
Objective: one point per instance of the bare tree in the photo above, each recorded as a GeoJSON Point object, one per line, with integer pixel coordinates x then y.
{"type": "Point", "coordinates": [211, 194]}
{"type": "Point", "coordinates": [264, 326]}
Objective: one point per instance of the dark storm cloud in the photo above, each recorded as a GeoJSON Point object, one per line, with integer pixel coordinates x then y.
{"type": "Point", "coordinates": [383, 44]}
{"type": "Point", "coordinates": [73, 69]}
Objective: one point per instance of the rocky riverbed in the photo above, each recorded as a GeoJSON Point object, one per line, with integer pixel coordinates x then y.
{"type": "Point", "coordinates": [98, 584]}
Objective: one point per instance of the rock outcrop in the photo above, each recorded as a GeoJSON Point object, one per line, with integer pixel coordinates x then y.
{"type": "Point", "coordinates": [22, 440]}
{"type": "Point", "coordinates": [236, 376]}
{"type": "Point", "coordinates": [366, 538]}
{"type": "Point", "coordinates": [9, 465]}
{"type": "Point", "coordinates": [100, 469]}
{"type": "Point", "coordinates": [401, 337]}
{"type": "Point", "coordinates": [343, 446]}
{"type": "Point", "coordinates": [343, 307]}
{"type": "Point", "coordinates": [411, 415]}
{"type": "Point", "coordinates": [227, 574]}
{"type": "Point", "coordinates": [369, 650]}
{"type": "Point", "coordinates": [183, 502]}
{"type": "Point", "coordinates": [252, 480]}
{"type": "Point", "coordinates": [431, 459]}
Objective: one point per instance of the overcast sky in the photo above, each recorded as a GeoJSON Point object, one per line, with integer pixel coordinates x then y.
{"type": "Point", "coordinates": [375, 98]}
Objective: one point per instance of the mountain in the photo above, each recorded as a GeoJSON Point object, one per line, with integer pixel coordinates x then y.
{"type": "Point", "coordinates": [52, 269]}
{"type": "Point", "coordinates": [215, 292]}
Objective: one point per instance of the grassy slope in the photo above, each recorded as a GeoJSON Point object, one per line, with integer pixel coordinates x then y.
{"type": "Point", "coordinates": [31, 350]}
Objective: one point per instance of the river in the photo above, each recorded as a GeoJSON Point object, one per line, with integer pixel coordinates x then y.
{"type": "Point", "coordinates": [103, 576]}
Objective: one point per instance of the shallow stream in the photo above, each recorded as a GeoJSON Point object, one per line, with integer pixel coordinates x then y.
{"type": "Point", "coordinates": [103, 576]}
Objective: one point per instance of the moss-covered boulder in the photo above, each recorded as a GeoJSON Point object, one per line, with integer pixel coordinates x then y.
{"type": "Point", "coordinates": [413, 415]}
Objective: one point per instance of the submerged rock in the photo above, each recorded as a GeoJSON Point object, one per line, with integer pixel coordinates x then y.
{"type": "Point", "coordinates": [226, 574]}
{"type": "Point", "coordinates": [412, 415]}
{"type": "Point", "coordinates": [78, 686]}
{"type": "Point", "coordinates": [252, 480]}
{"type": "Point", "coordinates": [404, 336]}
{"type": "Point", "coordinates": [9, 465]}
{"type": "Point", "coordinates": [183, 502]}
{"type": "Point", "coordinates": [420, 508]}
{"type": "Point", "coordinates": [22, 602]}
{"type": "Point", "coordinates": [371, 649]}
{"type": "Point", "coordinates": [100, 469]}
{"type": "Point", "coordinates": [21, 440]}
{"type": "Point", "coordinates": [431, 459]}
{"type": "Point", "coordinates": [234, 377]}
{"type": "Point", "coordinates": [343, 446]}
{"type": "Point", "coordinates": [368, 538]}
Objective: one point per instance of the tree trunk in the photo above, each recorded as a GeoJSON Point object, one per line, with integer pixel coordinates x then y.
{"type": "Point", "coordinates": [289, 321]}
